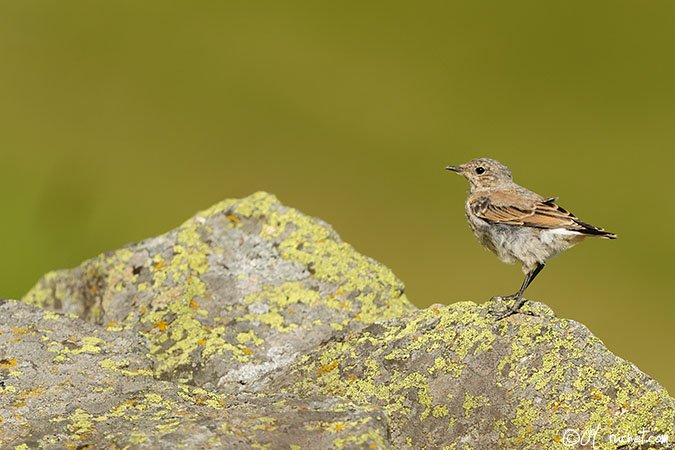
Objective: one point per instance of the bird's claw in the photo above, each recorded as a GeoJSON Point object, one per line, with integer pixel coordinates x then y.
{"type": "Point", "coordinates": [500, 298]}
{"type": "Point", "coordinates": [503, 314]}
{"type": "Point", "coordinates": [509, 312]}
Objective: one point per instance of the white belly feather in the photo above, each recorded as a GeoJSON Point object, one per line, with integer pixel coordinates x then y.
{"type": "Point", "coordinates": [526, 245]}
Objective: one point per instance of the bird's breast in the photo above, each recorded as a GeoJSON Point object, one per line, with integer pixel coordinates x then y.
{"type": "Point", "coordinates": [481, 229]}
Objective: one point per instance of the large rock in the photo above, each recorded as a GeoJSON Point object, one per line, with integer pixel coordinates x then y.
{"type": "Point", "coordinates": [451, 375]}
{"type": "Point", "coordinates": [65, 383]}
{"type": "Point", "coordinates": [253, 325]}
{"type": "Point", "coordinates": [237, 291]}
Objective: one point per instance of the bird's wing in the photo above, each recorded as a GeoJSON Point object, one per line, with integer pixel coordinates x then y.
{"type": "Point", "coordinates": [511, 208]}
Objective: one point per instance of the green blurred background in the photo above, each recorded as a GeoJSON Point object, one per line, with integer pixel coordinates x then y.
{"type": "Point", "coordinates": [119, 120]}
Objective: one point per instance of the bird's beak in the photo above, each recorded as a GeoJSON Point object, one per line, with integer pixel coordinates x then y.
{"type": "Point", "coordinates": [454, 168]}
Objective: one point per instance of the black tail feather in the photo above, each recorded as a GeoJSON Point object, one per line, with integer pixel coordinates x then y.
{"type": "Point", "coordinates": [595, 231]}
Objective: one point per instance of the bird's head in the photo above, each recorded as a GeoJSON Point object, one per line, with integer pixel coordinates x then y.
{"type": "Point", "coordinates": [484, 173]}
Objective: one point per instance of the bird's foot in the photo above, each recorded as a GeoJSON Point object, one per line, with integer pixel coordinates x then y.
{"type": "Point", "coordinates": [516, 308]}
{"type": "Point", "coordinates": [499, 298]}
{"type": "Point", "coordinates": [509, 312]}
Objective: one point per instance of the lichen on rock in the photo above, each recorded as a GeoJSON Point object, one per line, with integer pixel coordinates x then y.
{"type": "Point", "coordinates": [453, 374]}
{"type": "Point", "coordinates": [253, 325]}
{"type": "Point", "coordinates": [65, 383]}
{"type": "Point", "coordinates": [249, 267]}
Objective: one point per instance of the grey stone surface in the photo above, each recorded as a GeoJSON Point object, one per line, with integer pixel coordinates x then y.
{"type": "Point", "coordinates": [255, 326]}
{"type": "Point", "coordinates": [451, 376]}
{"type": "Point", "coordinates": [65, 383]}
{"type": "Point", "coordinates": [234, 293]}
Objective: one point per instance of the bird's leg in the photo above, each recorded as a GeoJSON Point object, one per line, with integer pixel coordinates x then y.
{"type": "Point", "coordinates": [529, 276]}
{"type": "Point", "coordinates": [518, 296]}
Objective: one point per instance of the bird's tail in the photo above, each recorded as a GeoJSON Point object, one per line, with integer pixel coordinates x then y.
{"type": "Point", "coordinates": [590, 230]}
{"type": "Point", "coordinates": [602, 234]}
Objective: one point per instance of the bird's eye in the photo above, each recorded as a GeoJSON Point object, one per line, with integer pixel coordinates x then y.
{"type": "Point", "coordinates": [480, 170]}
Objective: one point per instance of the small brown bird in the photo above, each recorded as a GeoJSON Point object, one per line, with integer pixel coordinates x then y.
{"type": "Point", "coordinates": [517, 224]}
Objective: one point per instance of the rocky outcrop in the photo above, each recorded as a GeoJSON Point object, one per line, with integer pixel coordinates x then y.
{"type": "Point", "coordinates": [451, 375]}
{"type": "Point", "coordinates": [234, 293]}
{"type": "Point", "coordinates": [65, 383]}
{"type": "Point", "coordinates": [253, 325]}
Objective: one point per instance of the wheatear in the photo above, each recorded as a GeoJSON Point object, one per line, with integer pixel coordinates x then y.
{"type": "Point", "coordinates": [517, 224]}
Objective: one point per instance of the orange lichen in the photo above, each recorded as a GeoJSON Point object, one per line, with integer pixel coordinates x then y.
{"type": "Point", "coordinates": [327, 368]}
{"type": "Point", "coordinates": [7, 363]}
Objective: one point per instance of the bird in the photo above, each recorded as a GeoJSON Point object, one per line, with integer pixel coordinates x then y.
{"type": "Point", "coordinates": [518, 225]}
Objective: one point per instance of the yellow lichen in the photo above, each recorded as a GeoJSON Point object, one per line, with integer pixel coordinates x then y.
{"type": "Point", "coordinates": [89, 344]}
{"type": "Point", "coordinates": [473, 402]}
{"type": "Point", "coordinates": [80, 422]}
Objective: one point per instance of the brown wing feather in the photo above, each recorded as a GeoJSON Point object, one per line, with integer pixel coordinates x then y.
{"type": "Point", "coordinates": [512, 209]}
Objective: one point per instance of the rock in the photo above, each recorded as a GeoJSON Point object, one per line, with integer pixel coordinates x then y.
{"type": "Point", "coordinates": [65, 383]}
{"type": "Point", "coordinates": [451, 374]}
{"type": "Point", "coordinates": [232, 294]}
{"type": "Point", "coordinates": [253, 325]}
